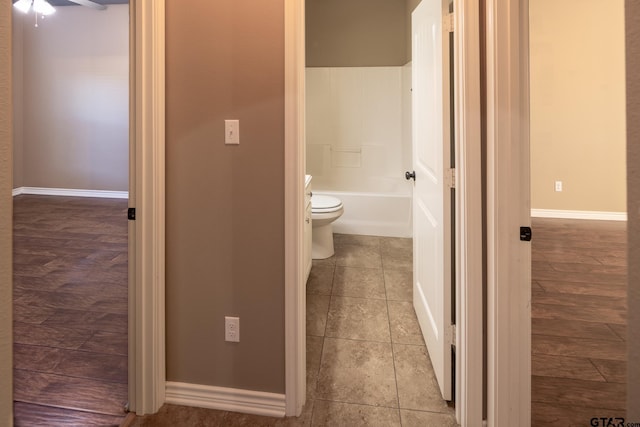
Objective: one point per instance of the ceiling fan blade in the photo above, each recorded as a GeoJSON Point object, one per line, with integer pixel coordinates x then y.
{"type": "Point", "coordinates": [90, 4]}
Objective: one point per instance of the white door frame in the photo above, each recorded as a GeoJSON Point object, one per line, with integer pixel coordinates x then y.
{"type": "Point", "coordinates": [294, 161]}
{"type": "Point", "coordinates": [508, 208]}
{"type": "Point", "coordinates": [147, 376]}
{"type": "Point", "coordinates": [469, 245]}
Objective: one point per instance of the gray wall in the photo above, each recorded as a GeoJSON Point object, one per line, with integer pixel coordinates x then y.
{"type": "Point", "coordinates": [225, 204]}
{"type": "Point", "coordinates": [6, 353]}
{"type": "Point", "coordinates": [356, 33]}
{"type": "Point", "coordinates": [632, 26]}
{"type": "Point", "coordinates": [72, 121]}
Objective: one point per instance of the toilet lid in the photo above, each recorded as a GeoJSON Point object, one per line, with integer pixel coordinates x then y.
{"type": "Point", "coordinates": [324, 203]}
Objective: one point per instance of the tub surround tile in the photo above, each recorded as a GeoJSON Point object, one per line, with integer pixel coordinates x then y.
{"type": "Point", "coordinates": [359, 372]}
{"type": "Point", "coordinates": [358, 319]}
{"type": "Point", "coordinates": [398, 284]}
{"type": "Point", "coordinates": [404, 323]}
{"type": "Point", "coordinates": [317, 309]}
{"type": "Point", "coordinates": [417, 385]}
{"type": "Point", "coordinates": [342, 414]}
{"type": "Point", "coordinates": [358, 256]}
{"type": "Point", "coordinates": [320, 280]}
{"type": "Point", "coordinates": [359, 282]}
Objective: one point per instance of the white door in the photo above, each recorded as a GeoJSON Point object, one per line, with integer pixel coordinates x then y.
{"type": "Point", "coordinates": [432, 188]}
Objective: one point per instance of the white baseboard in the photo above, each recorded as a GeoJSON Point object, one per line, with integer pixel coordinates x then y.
{"type": "Point", "coordinates": [593, 215]}
{"type": "Point", "coordinates": [69, 192]}
{"type": "Point", "coordinates": [226, 399]}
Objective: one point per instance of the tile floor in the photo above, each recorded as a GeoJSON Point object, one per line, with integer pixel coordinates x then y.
{"type": "Point", "coordinates": [366, 359]}
{"type": "Point", "coordinates": [367, 364]}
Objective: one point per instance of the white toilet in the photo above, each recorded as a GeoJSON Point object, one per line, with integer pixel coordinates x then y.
{"type": "Point", "coordinates": [324, 210]}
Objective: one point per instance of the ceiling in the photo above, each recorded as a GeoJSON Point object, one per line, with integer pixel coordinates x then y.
{"type": "Point", "coordinates": [68, 3]}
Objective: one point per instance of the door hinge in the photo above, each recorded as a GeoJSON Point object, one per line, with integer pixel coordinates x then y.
{"type": "Point", "coordinates": [451, 335]}
{"type": "Point", "coordinates": [450, 177]}
{"type": "Point", "coordinates": [448, 23]}
{"type": "Point", "coordinates": [525, 234]}
{"type": "Point", "coordinates": [131, 214]}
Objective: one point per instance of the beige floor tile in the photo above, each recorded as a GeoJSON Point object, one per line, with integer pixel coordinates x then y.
{"type": "Point", "coordinates": [359, 282]}
{"type": "Point", "coordinates": [427, 419]}
{"type": "Point", "coordinates": [355, 239]}
{"type": "Point", "coordinates": [236, 419]}
{"type": "Point", "coordinates": [317, 309]}
{"type": "Point", "coordinates": [304, 420]}
{"type": "Point", "coordinates": [396, 243]}
{"type": "Point", "coordinates": [404, 323]}
{"type": "Point", "coordinates": [358, 256]}
{"type": "Point", "coordinates": [397, 258]}
{"type": "Point", "coordinates": [314, 354]}
{"type": "Point", "coordinates": [357, 372]}
{"type": "Point", "coordinates": [417, 386]}
{"type": "Point", "coordinates": [399, 285]}
{"type": "Point", "coordinates": [174, 415]}
{"type": "Point", "coordinates": [358, 319]}
{"type": "Point", "coordinates": [320, 280]}
{"type": "Point", "coordinates": [338, 414]}
{"type": "Point", "coordinates": [327, 261]}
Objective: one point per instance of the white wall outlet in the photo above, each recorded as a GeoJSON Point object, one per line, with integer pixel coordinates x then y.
{"type": "Point", "coordinates": [232, 132]}
{"type": "Point", "coordinates": [232, 329]}
{"type": "Point", "coordinates": [558, 185]}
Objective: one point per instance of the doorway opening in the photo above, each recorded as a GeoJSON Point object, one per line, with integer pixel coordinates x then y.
{"type": "Point", "coordinates": [70, 230]}
{"type": "Point", "coordinates": [579, 261]}
{"type": "Point", "coordinates": [352, 135]}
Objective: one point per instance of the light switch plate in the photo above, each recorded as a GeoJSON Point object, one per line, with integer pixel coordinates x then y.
{"type": "Point", "coordinates": [232, 132]}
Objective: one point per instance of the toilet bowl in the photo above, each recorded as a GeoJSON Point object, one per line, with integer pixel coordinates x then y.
{"type": "Point", "coordinates": [324, 210]}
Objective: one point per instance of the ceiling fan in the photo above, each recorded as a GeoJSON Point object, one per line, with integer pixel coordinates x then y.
{"type": "Point", "coordinates": [43, 7]}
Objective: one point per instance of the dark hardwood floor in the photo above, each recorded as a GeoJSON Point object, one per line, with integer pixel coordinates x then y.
{"type": "Point", "coordinates": [70, 311]}
{"type": "Point", "coordinates": [579, 306]}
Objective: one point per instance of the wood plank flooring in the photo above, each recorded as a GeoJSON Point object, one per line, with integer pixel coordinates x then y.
{"type": "Point", "coordinates": [70, 311]}
{"type": "Point", "coordinates": [579, 306]}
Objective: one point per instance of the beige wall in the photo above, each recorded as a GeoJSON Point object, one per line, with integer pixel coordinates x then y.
{"type": "Point", "coordinates": [633, 174]}
{"type": "Point", "coordinates": [225, 204]}
{"type": "Point", "coordinates": [74, 106]}
{"type": "Point", "coordinates": [18, 95]}
{"type": "Point", "coordinates": [356, 33]}
{"type": "Point", "coordinates": [6, 353]}
{"type": "Point", "coordinates": [578, 104]}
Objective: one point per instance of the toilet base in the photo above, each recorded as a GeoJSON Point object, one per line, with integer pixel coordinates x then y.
{"type": "Point", "coordinates": [322, 242]}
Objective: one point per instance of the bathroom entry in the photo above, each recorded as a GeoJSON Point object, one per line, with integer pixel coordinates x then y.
{"type": "Point", "coordinates": [433, 161]}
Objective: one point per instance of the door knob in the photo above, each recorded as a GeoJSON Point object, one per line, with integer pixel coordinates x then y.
{"type": "Point", "coordinates": [410, 175]}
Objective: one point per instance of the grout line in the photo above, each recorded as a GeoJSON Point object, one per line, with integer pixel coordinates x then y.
{"type": "Point", "coordinates": [393, 351]}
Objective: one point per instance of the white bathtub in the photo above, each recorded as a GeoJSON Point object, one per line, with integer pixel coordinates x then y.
{"type": "Point", "coordinates": [373, 214]}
